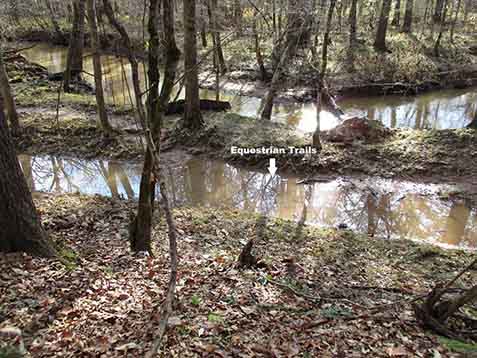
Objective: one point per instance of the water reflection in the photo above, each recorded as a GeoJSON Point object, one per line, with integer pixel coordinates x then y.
{"type": "Point", "coordinates": [440, 109]}
{"type": "Point", "coordinates": [377, 207]}
{"type": "Point", "coordinates": [434, 110]}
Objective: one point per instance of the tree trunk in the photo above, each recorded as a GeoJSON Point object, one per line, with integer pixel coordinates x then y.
{"type": "Point", "coordinates": [219, 59]}
{"type": "Point", "coordinates": [98, 74]}
{"type": "Point", "coordinates": [397, 14]}
{"type": "Point", "coordinates": [258, 51]}
{"type": "Point", "coordinates": [442, 27]}
{"type": "Point", "coordinates": [74, 60]}
{"type": "Point", "coordinates": [438, 11]}
{"type": "Point", "coordinates": [322, 75]}
{"type": "Point", "coordinates": [6, 97]}
{"type": "Point", "coordinates": [353, 39]}
{"type": "Point", "coordinates": [380, 41]}
{"type": "Point", "coordinates": [192, 115]}
{"type": "Point", "coordinates": [238, 16]}
{"type": "Point", "coordinates": [454, 22]}
{"type": "Point", "coordinates": [54, 21]}
{"type": "Point", "coordinates": [20, 226]}
{"type": "Point", "coordinates": [141, 240]}
{"type": "Point", "coordinates": [407, 25]}
{"type": "Point", "coordinates": [203, 31]}
{"type": "Point", "coordinates": [297, 29]}
{"type": "Point", "coordinates": [267, 105]}
{"type": "Point", "coordinates": [173, 51]}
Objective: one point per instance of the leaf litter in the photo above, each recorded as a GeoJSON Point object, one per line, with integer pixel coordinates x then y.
{"type": "Point", "coordinates": [315, 296]}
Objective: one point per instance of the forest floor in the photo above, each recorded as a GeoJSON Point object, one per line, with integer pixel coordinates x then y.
{"type": "Point", "coordinates": [319, 293]}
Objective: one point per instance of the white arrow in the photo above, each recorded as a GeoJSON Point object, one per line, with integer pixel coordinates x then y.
{"type": "Point", "coordinates": [273, 167]}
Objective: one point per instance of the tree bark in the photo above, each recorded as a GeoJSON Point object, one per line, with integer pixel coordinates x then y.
{"type": "Point", "coordinates": [7, 97]}
{"type": "Point", "coordinates": [397, 14]}
{"type": "Point", "coordinates": [258, 51]}
{"type": "Point", "coordinates": [54, 21]}
{"type": "Point", "coordinates": [192, 115]}
{"type": "Point", "coordinates": [98, 74]}
{"type": "Point", "coordinates": [454, 22]}
{"type": "Point", "coordinates": [407, 25]}
{"type": "Point", "coordinates": [267, 106]}
{"type": "Point", "coordinates": [20, 226]}
{"type": "Point", "coordinates": [353, 38]}
{"type": "Point", "coordinates": [297, 29]}
{"type": "Point", "coordinates": [380, 41]}
{"type": "Point", "coordinates": [74, 60]}
{"type": "Point", "coordinates": [219, 59]}
{"type": "Point", "coordinates": [173, 51]}
{"type": "Point", "coordinates": [322, 75]}
{"type": "Point", "coordinates": [438, 11]}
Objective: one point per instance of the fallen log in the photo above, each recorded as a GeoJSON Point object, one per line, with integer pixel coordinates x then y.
{"type": "Point", "coordinates": [178, 107]}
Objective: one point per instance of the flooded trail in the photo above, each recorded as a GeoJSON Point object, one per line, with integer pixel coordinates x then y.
{"type": "Point", "coordinates": [380, 208]}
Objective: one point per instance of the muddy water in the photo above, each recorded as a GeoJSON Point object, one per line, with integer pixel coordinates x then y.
{"type": "Point", "coordinates": [439, 110]}
{"type": "Point", "coordinates": [377, 207]}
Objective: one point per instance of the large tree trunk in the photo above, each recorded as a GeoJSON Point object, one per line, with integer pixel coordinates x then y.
{"type": "Point", "coordinates": [192, 116]}
{"type": "Point", "coordinates": [380, 41]}
{"type": "Point", "coordinates": [98, 74]}
{"type": "Point", "coordinates": [20, 227]}
{"type": "Point", "coordinates": [6, 97]}
{"type": "Point", "coordinates": [407, 25]}
{"type": "Point", "coordinates": [74, 60]}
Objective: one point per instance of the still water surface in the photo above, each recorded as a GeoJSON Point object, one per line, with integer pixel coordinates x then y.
{"type": "Point", "coordinates": [377, 207]}
{"type": "Point", "coordinates": [440, 109]}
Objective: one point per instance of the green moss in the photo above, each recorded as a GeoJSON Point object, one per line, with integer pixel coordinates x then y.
{"type": "Point", "coordinates": [10, 352]}
{"type": "Point", "coordinates": [458, 346]}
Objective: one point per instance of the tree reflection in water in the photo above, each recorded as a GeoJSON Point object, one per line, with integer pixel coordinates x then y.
{"type": "Point", "coordinates": [376, 207]}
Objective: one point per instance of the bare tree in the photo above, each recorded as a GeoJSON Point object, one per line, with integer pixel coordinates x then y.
{"type": "Point", "coordinates": [380, 40]}
{"type": "Point", "coordinates": [74, 59]}
{"type": "Point", "coordinates": [407, 25]}
{"type": "Point", "coordinates": [353, 38]}
{"type": "Point", "coordinates": [322, 90]}
{"type": "Point", "coordinates": [397, 13]}
{"type": "Point", "coordinates": [192, 115]}
{"type": "Point", "coordinates": [98, 72]}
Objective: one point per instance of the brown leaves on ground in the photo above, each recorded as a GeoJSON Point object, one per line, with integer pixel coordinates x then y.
{"type": "Point", "coordinates": [106, 301]}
